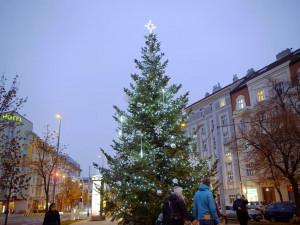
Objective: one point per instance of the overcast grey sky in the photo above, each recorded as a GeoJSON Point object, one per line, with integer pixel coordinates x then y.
{"type": "Point", "coordinates": [75, 57]}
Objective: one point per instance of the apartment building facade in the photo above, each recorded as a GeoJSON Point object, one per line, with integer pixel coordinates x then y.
{"type": "Point", "coordinates": [213, 114]}
{"type": "Point", "coordinates": [229, 104]}
{"type": "Point", "coordinates": [255, 88]}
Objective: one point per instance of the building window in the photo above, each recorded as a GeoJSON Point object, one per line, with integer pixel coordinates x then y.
{"type": "Point", "coordinates": [228, 157]}
{"type": "Point", "coordinates": [214, 142]}
{"type": "Point", "coordinates": [232, 198]}
{"type": "Point", "coordinates": [279, 87]}
{"type": "Point", "coordinates": [222, 102]}
{"type": "Point", "coordinates": [243, 125]}
{"type": "Point", "coordinates": [249, 170]}
{"type": "Point", "coordinates": [212, 124]}
{"type": "Point", "coordinates": [230, 177]}
{"type": "Point", "coordinates": [226, 138]}
{"type": "Point", "coordinates": [240, 103]}
{"type": "Point", "coordinates": [298, 76]}
{"type": "Point", "coordinates": [261, 95]}
{"type": "Point", "coordinates": [202, 112]}
{"type": "Point", "coordinates": [224, 120]}
{"type": "Point", "coordinates": [204, 145]}
{"type": "Point", "coordinates": [211, 107]}
{"type": "Point", "coordinates": [203, 129]}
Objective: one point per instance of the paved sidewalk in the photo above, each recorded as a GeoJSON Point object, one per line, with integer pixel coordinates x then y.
{"type": "Point", "coordinates": [86, 222]}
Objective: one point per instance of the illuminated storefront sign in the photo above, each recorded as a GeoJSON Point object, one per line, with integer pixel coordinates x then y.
{"type": "Point", "coordinates": [11, 117]}
{"type": "Point", "coordinates": [252, 194]}
{"type": "Point", "coordinates": [290, 188]}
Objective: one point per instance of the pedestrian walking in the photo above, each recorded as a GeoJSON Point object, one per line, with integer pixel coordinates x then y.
{"type": "Point", "coordinates": [52, 216]}
{"type": "Point", "coordinates": [240, 206]}
{"type": "Point", "coordinates": [204, 205]}
{"type": "Point", "coordinates": [166, 210]}
{"type": "Point", "coordinates": [178, 209]}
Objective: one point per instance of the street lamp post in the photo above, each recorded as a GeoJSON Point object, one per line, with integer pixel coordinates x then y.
{"type": "Point", "coordinates": [57, 149]}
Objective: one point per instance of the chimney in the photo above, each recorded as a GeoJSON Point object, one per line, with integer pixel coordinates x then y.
{"type": "Point", "coordinates": [250, 72]}
{"type": "Point", "coordinates": [283, 54]}
{"type": "Point", "coordinates": [235, 78]}
{"type": "Point", "coordinates": [216, 87]}
{"type": "Point", "coordinates": [206, 94]}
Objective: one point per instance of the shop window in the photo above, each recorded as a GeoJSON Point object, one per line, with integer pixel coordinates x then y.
{"type": "Point", "coordinates": [222, 102]}
{"type": "Point", "coordinates": [261, 95]}
{"type": "Point", "coordinates": [252, 194]}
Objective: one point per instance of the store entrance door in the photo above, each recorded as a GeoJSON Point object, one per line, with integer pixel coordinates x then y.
{"type": "Point", "coordinates": [269, 194]}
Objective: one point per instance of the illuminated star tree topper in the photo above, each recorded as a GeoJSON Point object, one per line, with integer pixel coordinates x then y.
{"type": "Point", "coordinates": [150, 26]}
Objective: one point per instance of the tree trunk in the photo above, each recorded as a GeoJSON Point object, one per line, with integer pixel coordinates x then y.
{"type": "Point", "coordinates": [277, 186]}
{"type": "Point", "coordinates": [8, 200]}
{"type": "Point", "coordinates": [6, 211]}
{"type": "Point", "coordinates": [47, 200]}
{"type": "Point", "coordinates": [296, 195]}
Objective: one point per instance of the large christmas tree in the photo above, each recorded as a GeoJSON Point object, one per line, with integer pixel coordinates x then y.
{"type": "Point", "coordinates": [154, 153]}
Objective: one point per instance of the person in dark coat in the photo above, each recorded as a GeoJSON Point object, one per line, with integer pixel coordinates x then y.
{"type": "Point", "coordinates": [166, 210]}
{"type": "Point", "coordinates": [178, 208]}
{"type": "Point", "coordinates": [52, 216]}
{"type": "Point", "coordinates": [240, 206]}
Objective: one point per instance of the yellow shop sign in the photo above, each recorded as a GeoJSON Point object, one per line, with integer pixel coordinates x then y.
{"type": "Point", "coordinates": [11, 117]}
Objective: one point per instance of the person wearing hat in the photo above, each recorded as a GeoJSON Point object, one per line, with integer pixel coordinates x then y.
{"type": "Point", "coordinates": [52, 216]}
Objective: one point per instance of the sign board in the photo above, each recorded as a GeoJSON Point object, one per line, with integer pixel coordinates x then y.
{"type": "Point", "coordinates": [290, 188]}
{"type": "Point", "coordinates": [12, 117]}
{"type": "Point", "coordinates": [96, 198]}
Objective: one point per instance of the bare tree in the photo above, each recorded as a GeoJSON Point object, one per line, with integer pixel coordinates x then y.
{"type": "Point", "coordinates": [13, 180]}
{"type": "Point", "coordinates": [273, 134]}
{"type": "Point", "coordinates": [43, 158]}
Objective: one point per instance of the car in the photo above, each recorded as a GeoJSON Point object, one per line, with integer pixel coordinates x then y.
{"type": "Point", "coordinates": [281, 212]}
{"type": "Point", "coordinates": [254, 214]}
{"type": "Point", "coordinates": [257, 205]}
